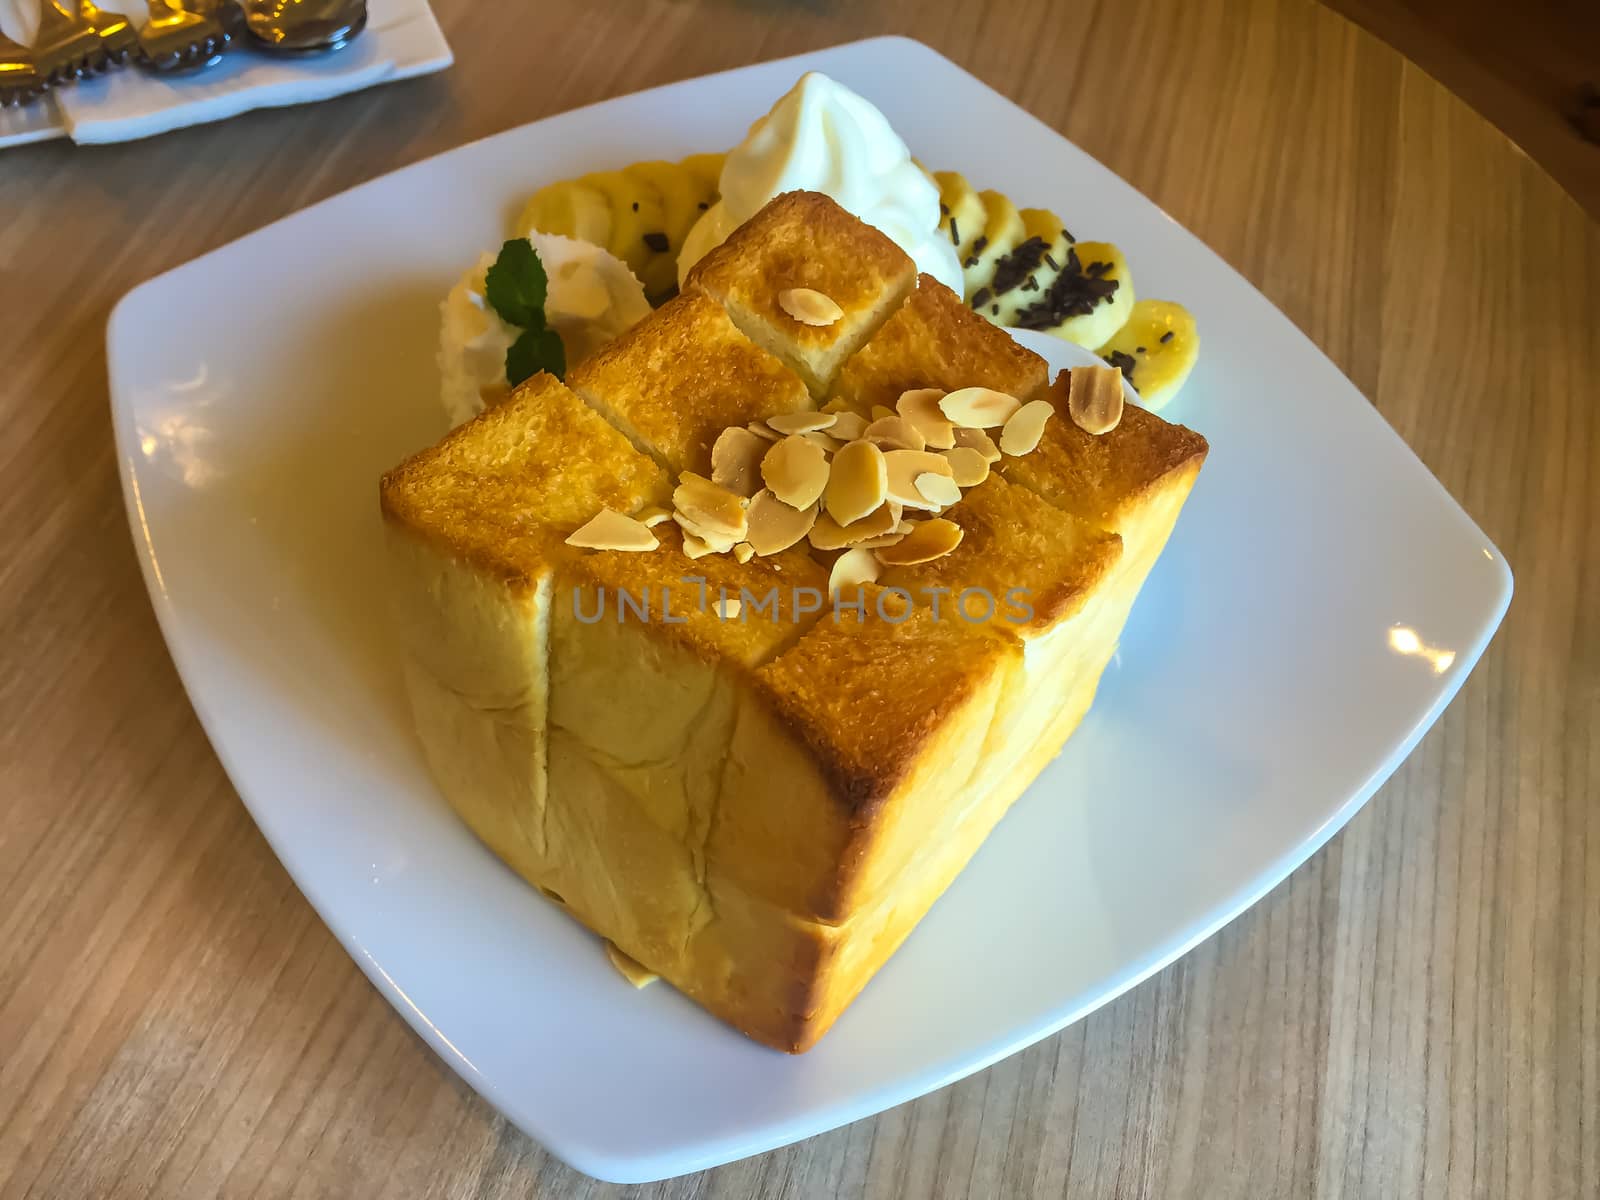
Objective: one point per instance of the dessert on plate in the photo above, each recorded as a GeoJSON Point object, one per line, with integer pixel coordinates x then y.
{"type": "Point", "coordinates": [737, 640]}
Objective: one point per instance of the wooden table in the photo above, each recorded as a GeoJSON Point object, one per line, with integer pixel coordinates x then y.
{"type": "Point", "coordinates": [1416, 1012]}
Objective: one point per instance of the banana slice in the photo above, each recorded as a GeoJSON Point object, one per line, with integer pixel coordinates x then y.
{"type": "Point", "coordinates": [962, 218]}
{"type": "Point", "coordinates": [1002, 233]}
{"type": "Point", "coordinates": [1029, 271]}
{"type": "Point", "coordinates": [640, 214]}
{"type": "Point", "coordinates": [1089, 300]}
{"type": "Point", "coordinates": [1156, 348]}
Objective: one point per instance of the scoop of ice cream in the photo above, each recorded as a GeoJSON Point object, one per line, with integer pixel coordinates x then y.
{"type": "Point", "coordinates": [591, 298]}
{"type": "Point", "coordinates": [822, 137]}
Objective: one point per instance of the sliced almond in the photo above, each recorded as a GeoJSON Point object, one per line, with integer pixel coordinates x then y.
{"type": "Point", "coordinates": [938, 489]}
{"type": "Point", "coordinates": [728, 608]}
{"type": "Point", "coordinates": [818, 437]}
{"type": "Point", "coordinates": [837, 405]}
{"type": "Point", "coordinates": [858, 482]}
{"type": "Point", "coordinates": [927, 541]}
{"type": "Point", "coordinates": [883, 539]}
{"type": "Point", "coordinates": [610, 530]}
{"type": "Point", "coordinates": [736, 461]}
{"type": "Point", "coordinates": [879, 412]}
{"type": "Point", "coordinates": [694, 547]}
{"type": "Point", "coordinates": [894, 433]}
{"type": "Point", "coordinates": [743, 552]}
{"type": "Point", "coordinates": [801, 422]}
{"type": "Point", "coordinates": [979, 407]}
{"type": "Point", "coordinates": [904, 466]}
{"type": "Point", "coordinates": [776, 526]}
{"type": "Point", "coordinates": [1094, 398]}
{"type": "Point", "coordinates": [652, 515]}
{"type": "Point", "coordinates": [828, 534]}
{"type": "Point", "coordinates": [852, 569]}
{"type": "Point", "coordinates": [762, 430]}
{"type": "Point", "coordinates": [848, 426]}
{"type": "Point", "coordinates": [631, 970]}
{"type": "Point", "coordinates": [1023, 431]}
{"type": "Point", "coordinates": [712, 509]}
{"type": "Point", "coordinates": [967, 467]}
{"type": "Point", "coordinates": [809, 306]}
{"type": "Point", "coordinates": [920, 406]}
{"type": "Point", "coordinates": [796, 471]}
{"type": "Point", "coordinates": [714, 540]}
{"type": "Point", "coordinates": [980, 441]}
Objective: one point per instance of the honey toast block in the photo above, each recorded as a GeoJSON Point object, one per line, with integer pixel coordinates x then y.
{"type": "Point", "coordinates": [805, 240]}
{"type": "Point", "coordinates": [935, 341]}
{"type": "Point", "coordinates": [680, 377]}
{"type": "Point", "coordinates": [475, 526]}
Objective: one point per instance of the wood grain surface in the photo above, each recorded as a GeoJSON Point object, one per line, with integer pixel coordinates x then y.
{"type": "Point", "coordinates": [1414, 1013]}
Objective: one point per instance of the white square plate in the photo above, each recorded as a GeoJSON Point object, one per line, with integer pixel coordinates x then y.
{"type": "Point", "coordinates": [1320, 602]}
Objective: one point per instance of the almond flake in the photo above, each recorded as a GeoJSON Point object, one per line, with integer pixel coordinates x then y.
{"type": "Point", "coordinates": [858, 482]}
{"type": "Point", "coordinates": [940, 489]}
{"type": "Point", "coordinates": [852, 569]}
{"type": "Point", "coordinates": [968, 467]}
{"type": "Point", "coordinates": [883, 539]}
{"type": "Point", "coordinates": [610, 530]}
{"type": "Point", "coordinates": [796, 471]}
{"type": "Point", "coordinates": [828, 534]}
{"type": "Point", "coordinates": [927, 541]}
{"type": "Point", "coordinates": [715, 541]}
{"type": "Point", "coordinates": [1094, 398]}
{"type": "Point", "coordinates": [694, 547]}
{"type": "Point", "coordinates": [652, 515]}
{"type": "Point", "coordinates": [736, 461]}
{"type": "Point", "coordinates": [776, 526]}
{"type": "Point", "coordinates": [977, 439]}
{"type": "Point", "coordinates": [816, 437]}
{"type": "Point", "coordinates": [629, 969]}
{"type": "Point", "coordinates": [904, 467]}
{"type": "Point", "coordinates": [920, 406]}
{"type": "Point", "coordinates": [849, 426]}
{"type": "Point", "coordinates": [894, 433]}
{"type": "Point", "coordinates": [809, 306]}
{"type": "Point", "coordinates": [762, 430]}
{"type": "Point", "coordinates": [879, 412]}
{"type": "Point", "coordinates": [801, 422]}
{"type": "Point", "coordinates": [979, 407]}
{"type": "Point", "coordinates": [837, 405]}
{"type": "Point", "coordinates": [1023, 431]}
{"type": "Point", "coordinates": [743, 552]}
{"type": "Point", "coordinates": [728, 608]}
{"type": "Point", "coordinates": [716, 513]}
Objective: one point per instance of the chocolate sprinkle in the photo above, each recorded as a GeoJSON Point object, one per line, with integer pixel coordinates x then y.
{"type": "Point", "coordinates": [1167, 336]}
{"type": "Point", "coordinates": [1097, 269]}
{"type": "Point", "coordinates": [955, 233]}
{"type": "Point", "coordinates": [972, 261]}
{"type": "Point", "coordinates": [978, 246]}
{"type": "Point", "coordinates": [1073, 293]}
{"type": "Point", "coordinates": [1013, 268]}
{"type": "Point", "coordinates": [703, 205]}
{"type": "Point", "coordinates": [1052, 263]}
{"type": "Point", "coordinates": [980, 298]}
{"type": "Point", "coordinates": [635, 206]}
{"type": "Point", "coordinates": [1067, 233]}
{"type": "Point", "coordinates": [1122, 362]}
{"type": "Point", "coordinates": [1138, 349]}
{"type": "Point", "coordinates": [995, 309]}
{"type": "Point", "coordinates": [656, 242]}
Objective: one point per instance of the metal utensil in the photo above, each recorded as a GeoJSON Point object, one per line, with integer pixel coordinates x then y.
{"type": "Point", "coordinates": [304, 26]}
{"type": "Point", "coordinates": [20, 80]}
{"type": "Point", "coordinates": [117, 35]}
{"type": "Point", "coordinates": [179, 38]}
{"type": "Point", "coordinates": [66, 46]}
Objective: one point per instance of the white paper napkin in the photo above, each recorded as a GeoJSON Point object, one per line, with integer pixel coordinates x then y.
{"type": "Point", "coordinates": [402, 39]}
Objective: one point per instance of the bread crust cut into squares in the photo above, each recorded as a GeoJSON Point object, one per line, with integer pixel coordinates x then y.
{"type": "Point", "coordinates": [935, 341]}
{"type": "Point", "coordinates": [680, 377]}
{"type": "Point", "coordinates": [805, 240]}
{"type": "Point", "coordinates": [758, 801]}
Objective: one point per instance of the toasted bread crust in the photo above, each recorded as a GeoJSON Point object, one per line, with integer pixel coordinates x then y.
{"type": "Point", "coordinates": [680, 377]}
{"type": "Point", "coordinates": [934, 340]}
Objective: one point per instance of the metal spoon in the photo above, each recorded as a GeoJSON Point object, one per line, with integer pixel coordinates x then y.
{"type": "Point", "coordinates": [304, 26]}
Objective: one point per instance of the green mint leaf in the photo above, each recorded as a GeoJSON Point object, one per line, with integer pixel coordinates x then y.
{"type": "Point", "coordinates": [534, 351]}
{"type": "Point", "coordinates": [515, 285]}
